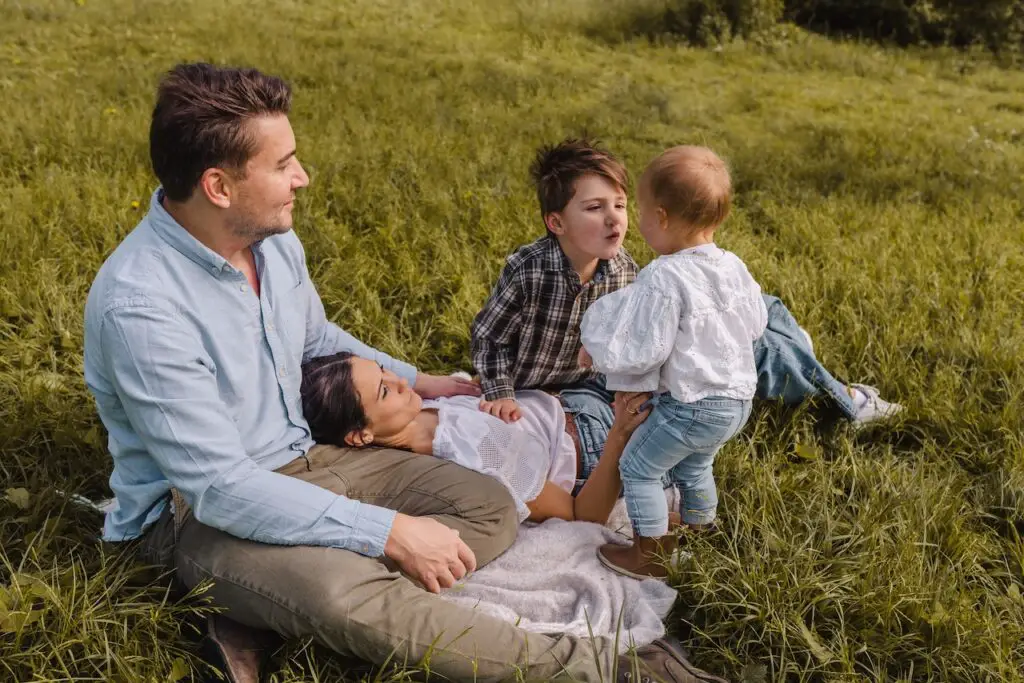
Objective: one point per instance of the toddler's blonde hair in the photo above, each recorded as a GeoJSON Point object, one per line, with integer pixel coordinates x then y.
{"type": "Point", "coordinates": [690, 183]}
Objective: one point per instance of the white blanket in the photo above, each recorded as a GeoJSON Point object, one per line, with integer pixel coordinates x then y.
{"type": "Point", "coordinates": [550, 581]}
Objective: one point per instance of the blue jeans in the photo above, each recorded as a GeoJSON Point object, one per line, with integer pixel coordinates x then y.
{"type": "Point", "coordinates": [681, 440]}
{"type": "Point", "coordinates": [589, 404]}
{"type": "Point", "coordinates": [786, 366]}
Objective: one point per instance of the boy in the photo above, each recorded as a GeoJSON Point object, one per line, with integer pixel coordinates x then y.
{"type": "Point", "coordinates": [527, 336]}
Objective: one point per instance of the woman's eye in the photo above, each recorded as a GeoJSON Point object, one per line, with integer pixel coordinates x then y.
{"type": "Point", "coordinates": [385, 392]}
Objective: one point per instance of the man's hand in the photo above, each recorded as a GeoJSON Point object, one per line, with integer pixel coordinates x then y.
{"type": "Point", "coordinates": [429, 552]}
{"type": "Point", "coordinates": [432, 386]}
{"type": "Point", "coordinates": [584, 358]}
{"type": "Point", "coordinates": [505, 409]}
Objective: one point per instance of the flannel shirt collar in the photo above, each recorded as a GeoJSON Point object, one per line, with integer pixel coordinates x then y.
{"type": "Point", "coordinates": [554, 259]}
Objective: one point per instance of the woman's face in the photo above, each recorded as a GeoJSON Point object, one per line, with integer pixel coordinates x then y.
{"type": "Point", "coordinates": [388, 401]}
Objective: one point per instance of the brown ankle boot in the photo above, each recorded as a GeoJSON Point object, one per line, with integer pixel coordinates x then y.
{"type": "Point", "coordinates": [644, 559]}
{"type": "Point", "coordinates": [664, 660]}
{"type": "Point", "coordinates": [235, 650]}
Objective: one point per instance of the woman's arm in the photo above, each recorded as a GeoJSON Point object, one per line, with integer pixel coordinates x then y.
{"type": "Point", "coordinates": [597, 498]}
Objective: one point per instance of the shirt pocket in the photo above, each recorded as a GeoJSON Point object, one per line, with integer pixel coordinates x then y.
{"type": "Point", "coordinates": [290, 319]}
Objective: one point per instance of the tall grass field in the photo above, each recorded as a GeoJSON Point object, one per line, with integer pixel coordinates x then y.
{"type": "Point", "coordinates": [879, 193]}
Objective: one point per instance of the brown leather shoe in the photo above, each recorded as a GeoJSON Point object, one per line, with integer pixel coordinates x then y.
{"type": "Point", "coordinates": [235, 650]}
{"type": "Point", "coordinates": [641, 560]}
{"type": "Point", "coordinates": [663, 661]}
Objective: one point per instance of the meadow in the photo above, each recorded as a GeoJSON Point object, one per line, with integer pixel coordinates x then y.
{"type": "Point", "coordinates": [879, 193]}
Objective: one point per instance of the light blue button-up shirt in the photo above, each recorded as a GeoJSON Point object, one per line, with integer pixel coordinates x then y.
{"type": "Point", "coordinates": [197, 379]}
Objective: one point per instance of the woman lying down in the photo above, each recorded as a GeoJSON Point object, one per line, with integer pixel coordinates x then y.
{"type": "Point", "coordinates": [353, 402]}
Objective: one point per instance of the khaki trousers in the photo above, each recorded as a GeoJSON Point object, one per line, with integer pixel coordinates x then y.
{"type": "Point", "coordinates": [363, 607]}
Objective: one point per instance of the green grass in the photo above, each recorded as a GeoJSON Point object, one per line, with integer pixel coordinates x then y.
{"type": "Point", "coordinates": [879, 193]}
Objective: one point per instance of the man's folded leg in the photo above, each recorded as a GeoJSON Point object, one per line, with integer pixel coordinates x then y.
{"type": "Point", "coordinates": [359, 606]}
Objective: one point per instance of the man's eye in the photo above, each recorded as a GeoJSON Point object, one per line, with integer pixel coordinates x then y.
{"type": "Point", "coordinates": [385, 392]}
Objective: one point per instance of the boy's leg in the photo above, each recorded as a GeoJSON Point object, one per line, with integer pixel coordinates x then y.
{"type": "Point", "coordinates": [361, 606]}
{"type": "Point", "coordinates": [787, 368]}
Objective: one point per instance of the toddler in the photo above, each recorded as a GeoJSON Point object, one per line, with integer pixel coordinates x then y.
{"type": "Point", "coordinates": [685, 331]}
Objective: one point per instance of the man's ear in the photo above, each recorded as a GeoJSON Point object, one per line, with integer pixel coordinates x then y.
{"type": "Point", "coordinates": [216, 186]}
{"type": "Point", "coordinates": [358, 438]}
{"type": "Point", "coordinates": [553, 221]}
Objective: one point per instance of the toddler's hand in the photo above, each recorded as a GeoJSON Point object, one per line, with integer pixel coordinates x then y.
{"type": "Point", "coordinates": [505, 409]}
{"type": "Point", "coordinates": [584, 359]}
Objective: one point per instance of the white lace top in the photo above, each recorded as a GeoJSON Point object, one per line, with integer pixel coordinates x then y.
{"type": "Point", "coordinates": [686, 326]}
{"type": "Point", "coordinates": [522, 455]}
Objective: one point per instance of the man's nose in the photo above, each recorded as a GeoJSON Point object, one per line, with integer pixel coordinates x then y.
{"type": "Point", "coordinates": [301, 178]}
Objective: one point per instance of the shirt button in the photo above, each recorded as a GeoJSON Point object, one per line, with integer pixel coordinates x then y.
{"type": "Point", "coordinates": [270, 327]}
{"type": "Point", "coordinates": [282, 372]}
{"type": "Point", "coordinates": [242, 288]}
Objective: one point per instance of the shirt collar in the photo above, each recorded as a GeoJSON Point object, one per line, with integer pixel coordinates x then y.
{"type": "Point", "coordinates": [554, 259]}
{"type": "Point", "coordinates": [171, 232]}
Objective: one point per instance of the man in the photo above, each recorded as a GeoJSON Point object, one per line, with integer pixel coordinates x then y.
{"type": "Point", "coordinates": [196, 329]}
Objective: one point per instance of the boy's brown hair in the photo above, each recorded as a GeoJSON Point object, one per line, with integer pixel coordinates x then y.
{"type": "Point", "coordinates": [556, 168]}
{"type": "Point", "coordinates": [690, 183]}
{"type": "Point", "coordinates": [201, 118]}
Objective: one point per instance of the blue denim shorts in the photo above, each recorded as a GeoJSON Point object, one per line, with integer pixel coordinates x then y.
{"type": "Point", "coordinates": [589, 405]}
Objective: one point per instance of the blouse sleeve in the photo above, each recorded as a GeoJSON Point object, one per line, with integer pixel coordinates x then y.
{"type": "Point", "coordinates": [631, 331]}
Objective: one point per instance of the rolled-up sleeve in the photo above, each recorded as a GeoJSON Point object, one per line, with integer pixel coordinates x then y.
{"type": "Point", "coordinates": [167, 385]}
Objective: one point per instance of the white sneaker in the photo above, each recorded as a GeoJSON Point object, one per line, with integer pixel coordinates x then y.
{"type": "Point", "coordinates": [873, 407]}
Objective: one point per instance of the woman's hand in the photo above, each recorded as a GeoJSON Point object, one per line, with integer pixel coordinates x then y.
{"type": "Point", "coordinates": [584, 358]}
{"type": "Point", "coordinates": [628, 414]}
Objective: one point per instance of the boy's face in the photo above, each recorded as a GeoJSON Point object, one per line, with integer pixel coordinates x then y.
{"type": "Point", "coordinates": [593, 224]}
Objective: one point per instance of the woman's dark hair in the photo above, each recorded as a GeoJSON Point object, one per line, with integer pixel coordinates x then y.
{"type": "Point", "coordinates": [330, 401]}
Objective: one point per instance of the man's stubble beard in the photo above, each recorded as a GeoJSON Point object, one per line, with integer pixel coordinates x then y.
{"type": "Point", "coordinates": [250, 228]}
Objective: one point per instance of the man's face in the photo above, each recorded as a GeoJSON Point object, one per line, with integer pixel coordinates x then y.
{"type": "Point", "coordinates": [593, 224]}
{"type": "Point", "coordinates": [263, 201]}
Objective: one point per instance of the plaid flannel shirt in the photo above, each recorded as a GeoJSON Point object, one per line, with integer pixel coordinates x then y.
{"type": "Point", "coordinates": [527, 336]}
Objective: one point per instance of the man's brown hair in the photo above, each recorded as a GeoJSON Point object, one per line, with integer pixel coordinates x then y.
{"type": "Point", "coordinates": [200, 121]}
{"type": "Point", "coordinates": [556, 168]}
{"type": "Point", "coordinates": [690, 183]}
